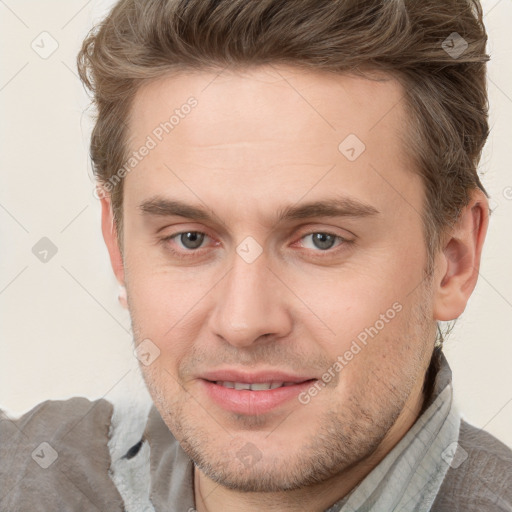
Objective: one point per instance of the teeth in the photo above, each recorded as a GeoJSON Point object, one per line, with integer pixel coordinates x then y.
{"type": "Point", "coordinates": [260, 386]}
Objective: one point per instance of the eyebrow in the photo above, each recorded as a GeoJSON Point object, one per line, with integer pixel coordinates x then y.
{"type": "Point", "coordinates": [329, 207]}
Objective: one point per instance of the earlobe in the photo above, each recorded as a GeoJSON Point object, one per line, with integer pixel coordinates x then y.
{"type": "Point", "coordinates": [110, 237]}
{"type": "Point", "coordinates": [460, 259]}
{"type": "Point", "coordinates": [122, 297]}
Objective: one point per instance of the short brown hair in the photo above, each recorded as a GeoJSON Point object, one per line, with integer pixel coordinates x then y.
{"type": "Point", "coordinates": [445, 91]}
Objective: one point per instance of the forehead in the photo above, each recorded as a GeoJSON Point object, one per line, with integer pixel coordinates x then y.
{"type": "Point", "coordinates": [272, 101]}
{"type": "Point", "coordinates": [260, 134]}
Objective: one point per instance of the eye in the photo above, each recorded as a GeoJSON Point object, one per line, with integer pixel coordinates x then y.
{"type": "Point", "coordinates": [189, 240]}
{"type": "Point", "coordinates": [321, 240]}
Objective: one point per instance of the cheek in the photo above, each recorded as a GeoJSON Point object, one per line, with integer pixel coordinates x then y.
{"type": "Point", "coordinates": [167, 309]}
{"type": "Point", "coordinates": [348, 305]}
{"type": "Point", "coordinates": [160, 298]}
{"type": "Point", "coordinates": [381, 372]}
{"type": "Point", "coordinates": [371, 331]}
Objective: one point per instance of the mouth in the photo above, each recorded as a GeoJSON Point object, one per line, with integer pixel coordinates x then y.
{"type": "Point", "coordinates": [255, 386]}
{"type": "Point", "coordinates": [253, 394]}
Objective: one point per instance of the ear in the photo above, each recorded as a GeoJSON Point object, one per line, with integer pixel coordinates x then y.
{"type": "Point", "coordinates": [109, 231]}
{"type": "Point", "coordinates": [459, 260]}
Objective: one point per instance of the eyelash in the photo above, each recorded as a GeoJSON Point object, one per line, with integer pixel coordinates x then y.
{"type": "Point", "coordinates": [190, 252]}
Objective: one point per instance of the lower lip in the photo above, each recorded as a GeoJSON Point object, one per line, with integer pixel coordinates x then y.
{"type": "Point", "coordinates": [245, 401]}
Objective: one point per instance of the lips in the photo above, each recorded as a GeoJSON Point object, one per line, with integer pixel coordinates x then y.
{"type": "Point", "coordinates": [251, 393]}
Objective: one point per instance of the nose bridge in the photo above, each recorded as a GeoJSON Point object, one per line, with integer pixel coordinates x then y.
{"type": "Point", "coordinates": [248, 305]}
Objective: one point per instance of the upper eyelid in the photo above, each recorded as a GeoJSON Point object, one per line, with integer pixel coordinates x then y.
{"type": "Point", "coordinates": [323, 231]}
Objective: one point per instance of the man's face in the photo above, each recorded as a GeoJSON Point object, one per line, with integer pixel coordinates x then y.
{"type": "Point", "coordinates": [335, 306]}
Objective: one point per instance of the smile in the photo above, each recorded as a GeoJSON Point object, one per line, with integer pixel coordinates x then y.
{"type": "Point", "coordinates": [253, 398]}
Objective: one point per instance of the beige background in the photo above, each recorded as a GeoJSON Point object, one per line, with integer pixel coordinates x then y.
{"type": "Point", "coordinates": [63, 331]}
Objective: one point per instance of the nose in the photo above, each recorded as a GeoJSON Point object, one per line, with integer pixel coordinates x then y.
{"type": "Point", "coordinates": [250, 305]}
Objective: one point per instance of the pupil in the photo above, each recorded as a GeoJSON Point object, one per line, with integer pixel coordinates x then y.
{"type": "Point", "coordinates": [192, 239]}
{"type": "Point", "coordinates": [323, 240]}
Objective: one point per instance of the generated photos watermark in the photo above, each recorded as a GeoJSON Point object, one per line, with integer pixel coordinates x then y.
{"type": "Point", "coordinates": [360, 342]}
